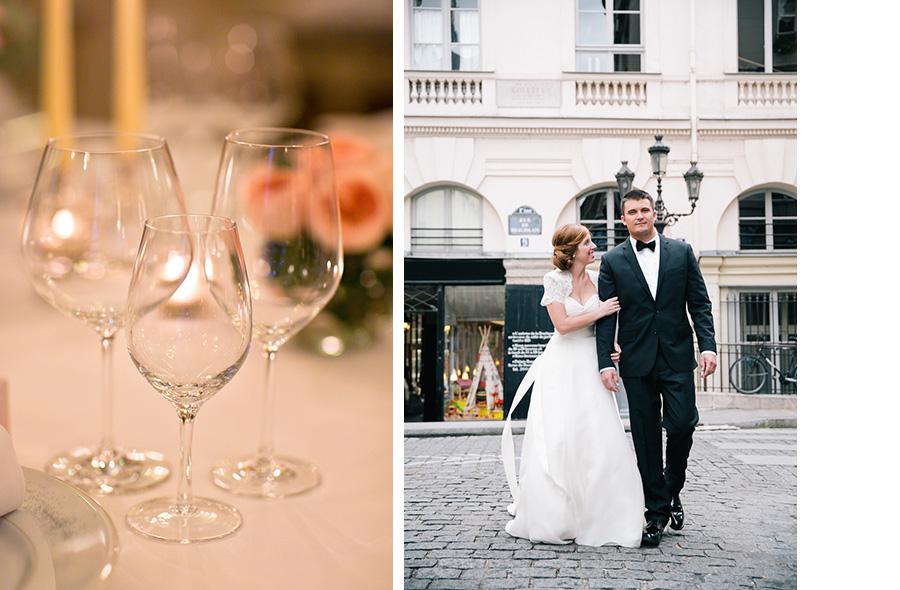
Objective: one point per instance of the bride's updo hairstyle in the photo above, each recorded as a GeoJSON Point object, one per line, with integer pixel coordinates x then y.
{"type": "Point", "coordinates": [565, 243]}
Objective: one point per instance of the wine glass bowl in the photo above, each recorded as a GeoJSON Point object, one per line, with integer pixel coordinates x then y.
{"type": "Point", "coordinates": [278, 185]}
{"type": "Point", "coordinates": [79, 241]}
{"type": "Point", "coordinates": [189, 331]}
{"type": "Point", "coordinates": [85, 220]}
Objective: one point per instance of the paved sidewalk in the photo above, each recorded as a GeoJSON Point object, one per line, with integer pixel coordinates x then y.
{"type": "Point", "coordinates": [740, 532]}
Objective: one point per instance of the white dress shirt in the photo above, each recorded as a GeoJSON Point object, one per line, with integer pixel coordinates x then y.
{"type": "Point", "coordinates": [649, 262]}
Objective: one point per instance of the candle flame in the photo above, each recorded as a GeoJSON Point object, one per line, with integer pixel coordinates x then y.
{"type": "Point", "coordinates": [63, 224]}
{"type": "Point", "coordinates": [189, 288]}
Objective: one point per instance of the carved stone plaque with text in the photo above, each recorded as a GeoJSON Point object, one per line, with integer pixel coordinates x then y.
{"type": "Point", "coordinates": [528, 93]}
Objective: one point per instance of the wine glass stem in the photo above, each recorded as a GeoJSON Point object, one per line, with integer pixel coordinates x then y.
{"type": "Point", "coordinates": [107, 445]}
{"type": "Point", "coordinates": [267, 436]}
{"type": "Point", "coordinates": [185, 495]}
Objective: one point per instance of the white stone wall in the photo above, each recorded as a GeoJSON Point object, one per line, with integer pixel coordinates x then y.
{"type": "Point", "coordinates": [549, 173]}
{"type": "Point", "coordinates": [544, 156]}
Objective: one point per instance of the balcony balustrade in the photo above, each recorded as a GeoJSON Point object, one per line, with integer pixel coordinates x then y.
{"type": "Point", "coordinates": [444, 88]}
{"type": "Point", "coordinates": [644, 96]}
{"type": "Point", "coordinates": [767, 91]}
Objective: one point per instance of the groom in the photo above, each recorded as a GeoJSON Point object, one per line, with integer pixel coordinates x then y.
{"type": "Point", "coordinates": [657, 281]}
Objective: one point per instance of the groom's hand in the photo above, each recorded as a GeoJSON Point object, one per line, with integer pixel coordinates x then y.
{"type": "Point", "coordinates": [707, 365]}
{"type": "Point", "coordinates": [610, 380]}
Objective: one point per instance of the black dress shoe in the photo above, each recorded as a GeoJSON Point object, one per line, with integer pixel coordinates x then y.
{"type": "Point", "coordinates": [652, 534]}
{"type": "Point", "coordinates": [677, 514]}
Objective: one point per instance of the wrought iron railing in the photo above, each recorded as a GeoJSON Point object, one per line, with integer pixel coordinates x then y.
{"type": "Point", "coordinates": [753, 368]}
{"type": "Point", "coordinates": [438, 239]}
{"type": "Point", "coordinates": [759, 315]}
{"type": "Point", "coordinates": [759, 235]}
{"type": "Point", "coordinates": [604, 236]}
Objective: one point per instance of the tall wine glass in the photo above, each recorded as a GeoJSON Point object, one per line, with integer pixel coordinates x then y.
{"type": "Point", "coordinates": [278, 184]}
{"type": "Point", "coordinates": [79, 242]}
{"type": "Point", "coordinates": [189, 325]}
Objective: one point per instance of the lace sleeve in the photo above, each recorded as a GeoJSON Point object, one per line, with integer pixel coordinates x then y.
{"type": "Point", "coordinates": [556, 289]}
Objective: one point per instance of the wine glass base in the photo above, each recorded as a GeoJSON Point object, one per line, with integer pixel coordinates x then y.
{"type": "Point", "coordinates": [110, 472]}
{"type": "Point", "coordinates": [266, 477]}
{"type": "Point", "coordinates": [201, 520]}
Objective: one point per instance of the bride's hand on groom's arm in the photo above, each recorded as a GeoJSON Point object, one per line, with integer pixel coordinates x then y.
{"type": "Point", "coordinates": [608, 307]}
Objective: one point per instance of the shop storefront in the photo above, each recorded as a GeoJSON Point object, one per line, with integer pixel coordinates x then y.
{"type": "Point", "coordinates": [453, 339]}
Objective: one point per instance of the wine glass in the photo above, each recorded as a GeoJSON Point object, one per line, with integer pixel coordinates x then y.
{"type": "Point", "coordinates": [189, 326]}
{"type": "Point", "coordinates": [79, 242]}
{"type": "Point", "coordinates": [278, 184]}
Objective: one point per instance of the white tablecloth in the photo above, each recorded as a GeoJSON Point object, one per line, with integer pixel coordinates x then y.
{"type": "Point", "coordinates": [334, 412]}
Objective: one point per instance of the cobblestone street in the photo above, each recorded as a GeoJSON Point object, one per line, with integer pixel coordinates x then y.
{"type": "Point", "coordinates": [740, 531]}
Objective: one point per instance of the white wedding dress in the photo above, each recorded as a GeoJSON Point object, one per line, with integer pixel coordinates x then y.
{"type": "Point", "coordinates": [578, 477]}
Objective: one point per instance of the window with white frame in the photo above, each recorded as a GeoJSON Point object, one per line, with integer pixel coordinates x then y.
{"type": "Point", "coordinates": [446, 35]}
{"type": "Point", "coordinates": [446, 218]}
{"type": "Point", "coordinates": [608, 36]}
{"type": "Point", "coordinates": [767, 35]}
{"type": "Point", "coordinates": [601, 211]}
{"type": "Point", "coordinates": [767, 220]}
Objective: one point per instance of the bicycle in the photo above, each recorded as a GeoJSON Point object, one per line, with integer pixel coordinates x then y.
{"type": "Point", "coordinates": [751, 372]}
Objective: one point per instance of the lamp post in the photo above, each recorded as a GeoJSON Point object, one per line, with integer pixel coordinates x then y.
{"type": "Point", "coordinates": [659, 157]}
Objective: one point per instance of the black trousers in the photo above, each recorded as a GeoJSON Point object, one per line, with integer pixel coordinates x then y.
{"type": "Point", "coordinates": [674, 393]}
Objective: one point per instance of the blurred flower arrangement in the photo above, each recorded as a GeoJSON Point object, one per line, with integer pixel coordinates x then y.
{"type": "Point", "coordinates": [288, 205]}
{"type": "Point", "coordinates": [363, 182]}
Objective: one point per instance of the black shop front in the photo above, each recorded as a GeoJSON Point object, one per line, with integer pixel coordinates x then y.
{"type": "Point", "coordinates": [469, 338]}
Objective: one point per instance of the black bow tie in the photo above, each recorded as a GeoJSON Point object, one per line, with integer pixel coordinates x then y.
{"type": "Point", "coordinates": [641, 245]}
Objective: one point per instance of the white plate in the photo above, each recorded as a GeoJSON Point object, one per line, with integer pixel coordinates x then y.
{"type": "Point", "coordinates": [25, 558]}
{"type": "Point", "coordinates": [82, 540]}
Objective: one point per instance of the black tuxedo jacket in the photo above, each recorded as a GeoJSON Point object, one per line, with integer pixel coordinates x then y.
{"type": "Point", "coordinates": [647, 326]}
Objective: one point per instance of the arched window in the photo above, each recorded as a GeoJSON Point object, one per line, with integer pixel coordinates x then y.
{"type": "Point", "coordinates": [446, 218]}
{"type": "Point", "coordinates": [767, 220]}
{"type": "Point", "coordinates": [601, 211]}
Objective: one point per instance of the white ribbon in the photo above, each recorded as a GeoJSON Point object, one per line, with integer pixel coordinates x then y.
{"type": "Point", "coordinates": [507, 446]}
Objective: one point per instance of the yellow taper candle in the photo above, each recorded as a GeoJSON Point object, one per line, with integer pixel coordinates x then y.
{"type": "Point", "coordinates": [57, 80]}
{"type": "Point", "coordinates": [129, 66]}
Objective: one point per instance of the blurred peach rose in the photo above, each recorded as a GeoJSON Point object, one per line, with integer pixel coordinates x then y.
{"type": "Point", "coordinates": [385, 173]}
{"type": "Point", "coordinates": [350, 150]}
{"type": "Point", "coordinates": [365, 209]}
{"type": "Point", "coordinates": [275, 201]}
{"type": "Point", "coordinates": [362, 178]}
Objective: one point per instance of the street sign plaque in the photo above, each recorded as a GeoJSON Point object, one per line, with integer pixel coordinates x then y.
{"type": "Point", "coordinates": [524, 221]}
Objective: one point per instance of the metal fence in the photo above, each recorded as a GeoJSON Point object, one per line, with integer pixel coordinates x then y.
{"type": "Point", "coordinates": [440, 239]}
{"type": "Point", "coordinates": [606, 237]}
{"type": "Point", "coordinates": [759, 315]}
{"type": "Point", "coordinates": [754, 368]}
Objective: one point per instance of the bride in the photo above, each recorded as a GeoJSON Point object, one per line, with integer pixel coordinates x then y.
{"type": "Point", "coordinates": [578, 475]}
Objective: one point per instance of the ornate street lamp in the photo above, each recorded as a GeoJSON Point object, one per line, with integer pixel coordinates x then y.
{"type": "Point", "coordinates": [659, 156]}
{"type": "Point", "coordinates": [624, 178]}
{"type": "Point", "coordinates": [693, 177]}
